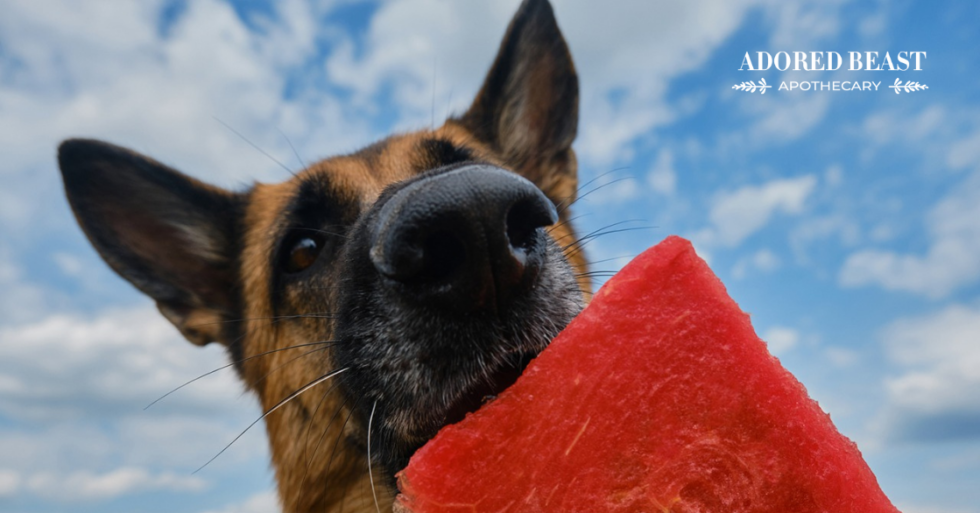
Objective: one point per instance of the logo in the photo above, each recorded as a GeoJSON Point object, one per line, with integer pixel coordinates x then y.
{"type": "Point", "coordinates": [904, 61]}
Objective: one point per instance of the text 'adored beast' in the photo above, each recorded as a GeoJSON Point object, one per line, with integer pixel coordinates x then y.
{"type": "Point", "coordinates": [833, 61]}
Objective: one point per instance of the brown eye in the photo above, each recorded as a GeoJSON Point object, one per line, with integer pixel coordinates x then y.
{"type": "Point", "coordinates": [302, 254]}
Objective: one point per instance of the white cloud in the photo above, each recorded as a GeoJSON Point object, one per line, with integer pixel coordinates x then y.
{"type": "Point", "coordinates": [176, 442]}
{"type": "Point", "coordinates": [10, 482]}
{"type": "Point", "coordinates": [20, 298]}
{"type": "Point", "coordinates": [410, 41]}
{"type": "Point", "coordinates": [265, 502]}
{"type": "Point", "coordinates": [625, 53]}
{"type": "Point", "coordinates": [84, 485]}
{"type": "Point", "coordinates": [783, 120]}
{"type": "Point", "coordinates": [66, 378]}
{"type": "Point", "coordinates": [950, 262]}
{"type": "Point", "coordinates": [116, 77]}
{"type": "Point", "coordinates": [889, 126]}
{"type": "Point", "coordinates": [86, 373]}
{"type": "Point", "coordinates": [930, 131]}
{"type": "Point", "coordinates": [609, 43]}
{"type": "Point", "coordinates": [962, 460]}
{"type": "Point", "coordinates": [834, 175]}
{"type": "Point", "coordinates": [876, 23]}
{"type": "Point", "coordinates": [738, 214]}
{"type": "Point", "coordinates": [781, 339]}
{"type": "Point", "coordinates": [933, 397]}
{"type": "Point", "coordinates": [965, 152]}
{"type": "Point", "coordinates": [931, 508]}
{"type": "Point", "coordinates": [69, 264]}
{"type": "Point", "coordinates": [63, 366]}
{"type": "Point", "coordinates": [88, 486]}
{"type": "Point", "coordinates": [763, 260]}
{"type": "Point", "coordinates": [841, 357]}
{"type": "Point", "coordinates": [662, 177]}
{"type": "Point", "coordinates": [802, 23]}
{"type": "Point", "coordinates": [819, 228]}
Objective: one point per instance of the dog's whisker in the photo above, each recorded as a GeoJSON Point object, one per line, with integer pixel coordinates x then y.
{"type": "Point", "coordinates": [596, 274]}
{"type": "Point", "coordinates": [603, 186]}
{"type": "Point", "coordinates": [558, 225]}
{"type": "Point", "coordinates": [432, 119]}
{"type": "Point", "coordinates": [280, 366]}
{"type": "Point", "coordinates": [325, 232]}
{"type": "Point", "coordinates": [613, 259]}
{"type": "Point", "coordinates": [564, 204]}
{"type": "Point", "coordinates": [296, 153]}
{"type": "Point", "coordinates": [252, 144]}
{"type": "Point", "coordinates": [598, 231]}
{"type": "Point", "coordinates": [333, 454]}
{"type": "Point", "coordinates": [274, 318]}
{"type": "Point", "coordinates": [326, 429]}
{"type": "Point", "coordinates": [610, 232]}
{"type": "Point", "coordinates": [585, 241]}
{"type": "Point", "coordinates": [581, 187]}
{"type": "Point", "coordinates": [316, 448]}
{"type": "Point", "coordinates": [449, 103]}
{"type": "Point", "coordinates": [594, 189]}
{"type": "Point", "coordinates": [268, 412]}
{"type": "Point", "coordinates": [237, 362]}
{"type": "Point", "coordinates": [374, 492]}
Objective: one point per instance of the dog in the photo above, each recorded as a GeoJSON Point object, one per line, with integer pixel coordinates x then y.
{"type": "Point", "coordinates": [373, 297]}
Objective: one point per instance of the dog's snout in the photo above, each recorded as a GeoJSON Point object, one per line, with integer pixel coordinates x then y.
{"type": "Point", "coordinates": [468, 238]}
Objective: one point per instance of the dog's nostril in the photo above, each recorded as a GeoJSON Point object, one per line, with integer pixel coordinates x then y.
{"type": "Point", "coordinates": [443, 255]}
{"type": "Point", "coordinates": [523, 221]}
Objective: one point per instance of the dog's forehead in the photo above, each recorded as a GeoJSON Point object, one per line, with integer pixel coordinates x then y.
{"type": "Point", "coordinates": [359, 177]}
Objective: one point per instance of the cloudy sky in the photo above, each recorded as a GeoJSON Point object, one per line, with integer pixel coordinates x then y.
{"type": "Point", "coordinates": [846, 223]}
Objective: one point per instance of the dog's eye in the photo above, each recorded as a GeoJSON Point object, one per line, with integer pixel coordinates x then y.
{"type": "Point", "coordinates": [302, 253]}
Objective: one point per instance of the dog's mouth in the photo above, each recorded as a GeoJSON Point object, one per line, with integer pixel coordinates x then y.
{"type": "Point", "coordinates": [489, 387]}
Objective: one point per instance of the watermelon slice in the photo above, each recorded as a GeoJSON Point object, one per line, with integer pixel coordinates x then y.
{"type": "Point", "coordinates": [659, 397]}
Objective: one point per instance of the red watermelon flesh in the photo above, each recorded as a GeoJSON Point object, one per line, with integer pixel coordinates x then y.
{"type": "Point", "coordinates": [658, 397]}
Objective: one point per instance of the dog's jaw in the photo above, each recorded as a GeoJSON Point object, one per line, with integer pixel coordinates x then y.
{"type": "Point", "coordinates": [417, 367]}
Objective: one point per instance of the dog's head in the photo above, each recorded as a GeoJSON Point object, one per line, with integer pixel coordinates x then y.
{"type": "Point", "coordinates": [377, 296]}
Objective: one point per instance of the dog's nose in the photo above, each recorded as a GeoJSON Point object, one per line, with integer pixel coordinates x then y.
{"type": "Point", "coordinates": [468, 238]}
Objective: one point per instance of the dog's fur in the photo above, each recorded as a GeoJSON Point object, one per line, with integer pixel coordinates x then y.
{"type": "Point", "coordinates": [213, 261]}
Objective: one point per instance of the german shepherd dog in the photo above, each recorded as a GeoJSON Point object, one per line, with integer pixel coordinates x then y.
{"type": "Point", "coordinates": [377, 296]}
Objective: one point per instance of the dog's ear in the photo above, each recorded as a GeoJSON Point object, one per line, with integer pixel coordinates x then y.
{"type": "Point", "coordinates": [171, 236]}
{"type": "Point", "coordinates": [527, 108]}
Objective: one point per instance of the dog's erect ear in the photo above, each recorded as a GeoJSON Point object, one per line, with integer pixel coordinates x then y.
{"type": "Point", "coordinates": [173, 237]}
{"type": "Point", "coordinates": [527, 108]}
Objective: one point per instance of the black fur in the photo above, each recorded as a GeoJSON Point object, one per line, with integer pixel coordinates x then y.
{"type": "Point", "coordinates": [421, 361]}
{"type": "Point", "coordinates": [435, 153]}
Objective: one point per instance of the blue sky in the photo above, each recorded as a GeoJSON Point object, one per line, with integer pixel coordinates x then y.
{"type": "Point", "coordinates": [846, 223]}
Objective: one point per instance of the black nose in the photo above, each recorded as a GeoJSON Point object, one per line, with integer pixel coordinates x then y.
{"type": "Point", "coordinates": [468, 238]}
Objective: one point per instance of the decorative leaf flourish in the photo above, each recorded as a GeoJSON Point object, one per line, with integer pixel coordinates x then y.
{"type": "Point", "coordinates": [752, 87]}
{"type": "Point", "coordinates": [908, 87]}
